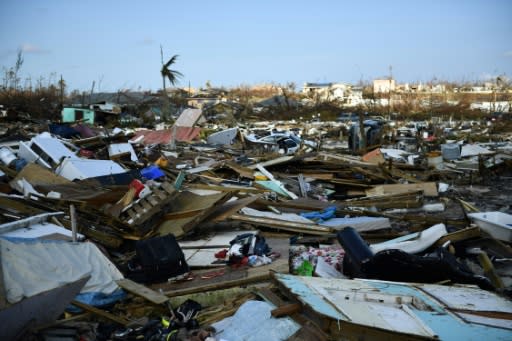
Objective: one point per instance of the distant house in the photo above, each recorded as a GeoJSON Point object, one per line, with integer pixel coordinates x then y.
{"type": "Point", "coordinates": [277, 101]}
{"type": "Point", "coordinates": [202, 102]}
{"type": "Point", "coordinates": [222, 109]}
{"type": "Point", "coordinates": [106, 106]}
{"type": "Point", "coordinates": [206, 98]}
{"type": "Point", "coordinates": [78, 114]}
{"type": "Point", "coordinates": [86, 115]}
{"type": "Point", "coordinates": [355, 96]}
{"type": "Point", "coordinates": [383, 85]}
{"type": "Point", "coordinates": [325, 91]}
{"type": "Point", "coordinates": [110, 100]}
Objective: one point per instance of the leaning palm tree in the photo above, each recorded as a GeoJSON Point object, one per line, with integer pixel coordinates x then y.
{"type": "Point", "coordinates": [171, 75]}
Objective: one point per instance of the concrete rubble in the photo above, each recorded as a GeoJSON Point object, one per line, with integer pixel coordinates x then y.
{"type": "Point", "coordinates": [186, 233]}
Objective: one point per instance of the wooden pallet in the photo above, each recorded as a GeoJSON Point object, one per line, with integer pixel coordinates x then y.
{"type": "Point", "coordinates": [147, 210]}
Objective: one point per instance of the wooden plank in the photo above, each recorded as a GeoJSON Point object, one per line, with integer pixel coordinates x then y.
{"type": "Point", "coordinates": [429, 189]}
{"type": "Point", "coordinates": [102, 313]}
{"type": "Point", "coordinates": [152, 200]}
{"type": "Point", "coordinates": [457, 236]}
{"type": "Point", "coordinates": [138, 209]}
{"type": "Point", "coordinates": [226, 188]}
{"type": "Point", "coordinates": [253, 275]}
{"type": "Point", "coordinates": [168, 188]}
{"type": "Point", "coordinates": [346, 158]}
{"type": "Point", "coordinates": [318, 176]}
{"type": "Point", "coordinates": [144, 203]}
{"type": "Point", "coordinates": [182, 214]}
{"type": "Point", "coordinates": [279, 160]}
{"type": "Point", "coordinates": [143, 291]}
{"type": "Point", "coordinates": [352, 183]}
{"type": "Point", "coordinates": [303, 204]}
{"type": "Point", "coordinates": [199, 207]}
{"type": "Point", "coordinates": [283, 224]}
{"type": "Point", "coordinates": [285, 310]}
{"type": "Point", "coordinates": [159, 193]}
{"type": "Point", "coordinates": [309, 332]}
{"type": "Point", "coordinates": [243, 171]}
{"type": "Point", "coordinates": [131, 213]}
{"type": "Point", "coordinates": [222, 212]}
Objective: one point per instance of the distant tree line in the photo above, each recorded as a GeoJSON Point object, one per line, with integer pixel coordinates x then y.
{"type": "Point", "coordinates": [45, 97]}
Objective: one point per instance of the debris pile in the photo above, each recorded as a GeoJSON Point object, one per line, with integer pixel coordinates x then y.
{"type": "Point", "coordinates": [163, 234]}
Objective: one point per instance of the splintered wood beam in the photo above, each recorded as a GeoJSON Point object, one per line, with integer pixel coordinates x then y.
{"type": "Point", "coordinates": [285, 310]}
{"type": "Point", "coordinates": [457, 236]}
{"type": "Point", "coordinates": [283, 224]}
{"type": "Point", "coordinates": [143, 291]}
{"type": "Point", "coordinates": [352, 183]}
{"type": "Point", "coordinates": [226, 188]}
{"type": "Point", "coordinates": [102, 313]}
{"type": "Point", "coordinates": [243, 171]}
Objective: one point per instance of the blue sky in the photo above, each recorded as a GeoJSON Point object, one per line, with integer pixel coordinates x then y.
{"type": "Point", "coordinates": [116, 44]}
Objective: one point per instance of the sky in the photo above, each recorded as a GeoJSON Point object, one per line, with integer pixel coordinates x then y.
{"type": "Point", "coordinates": [116, 44]}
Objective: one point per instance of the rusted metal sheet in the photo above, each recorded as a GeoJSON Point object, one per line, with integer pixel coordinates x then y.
{"type": "Point", "coordinates": [183, 134]}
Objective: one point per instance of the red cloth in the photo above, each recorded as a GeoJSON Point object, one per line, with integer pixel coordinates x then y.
{"type": "Point", "coordinates": [221, 254]}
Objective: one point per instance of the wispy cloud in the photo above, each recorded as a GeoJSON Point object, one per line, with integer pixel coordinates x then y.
{"type": "Point", "coordinates": [31, 48]}
{"type": "Point", "coordinates": [146, 41]}
{"type": "Point", "coordinates": [508, 53]}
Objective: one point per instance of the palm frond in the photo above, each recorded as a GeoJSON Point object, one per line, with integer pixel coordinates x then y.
{"type": "Point", "coordinates": [171, 61]}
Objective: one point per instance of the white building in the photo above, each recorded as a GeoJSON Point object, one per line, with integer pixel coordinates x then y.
{"type": "Point", "coordinates": [383, 85]}
{"type": "Point", "coordinates": [326, 91]}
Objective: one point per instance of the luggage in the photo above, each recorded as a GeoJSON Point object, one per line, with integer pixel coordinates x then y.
{"type": "Point", "coordinates": [158, 259]}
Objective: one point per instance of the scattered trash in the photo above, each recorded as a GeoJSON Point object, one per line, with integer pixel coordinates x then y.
{"type": "Point", "coordinates": [192, 224]}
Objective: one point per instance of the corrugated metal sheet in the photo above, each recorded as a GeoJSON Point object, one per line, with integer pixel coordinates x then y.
{"type": "Point", "coordinates": [188, 118]}
{"type": "Point", "coordinates": [183, 134]}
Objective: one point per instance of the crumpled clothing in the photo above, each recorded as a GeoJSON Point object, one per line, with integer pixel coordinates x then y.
{"type": "Point", "coordinates": [259, 260]}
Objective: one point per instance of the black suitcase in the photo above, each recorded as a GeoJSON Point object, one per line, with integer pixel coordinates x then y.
{"type": "Point", "coordinates": [159, 259]}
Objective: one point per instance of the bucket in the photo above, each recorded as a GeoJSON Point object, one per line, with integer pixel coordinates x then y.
{"type": "Point", "coordinates": [451, 151]}
{"type": "Point", "coordinates": [7, 156]}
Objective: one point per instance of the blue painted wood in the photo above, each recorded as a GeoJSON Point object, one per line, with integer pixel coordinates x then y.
{"type": "Point", "coordinates": [309, 297]}
{"type": "Point", "coordinates": [445, 324]}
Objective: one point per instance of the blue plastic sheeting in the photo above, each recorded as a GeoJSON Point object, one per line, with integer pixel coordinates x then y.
{"type": "Point", "coordinates": [97, 299]}
{"type": "Point", "coordinates": [152, 172]}
{"type": "Point", "coordinates": [320, 216]}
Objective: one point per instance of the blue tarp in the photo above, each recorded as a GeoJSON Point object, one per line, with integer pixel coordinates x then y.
{"type": "Point", "coordinates": [97, 299]}
{"type": "Point", "coordinates": [320, 216]}
{"type": "Point", "coordinates": [152, 172]}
